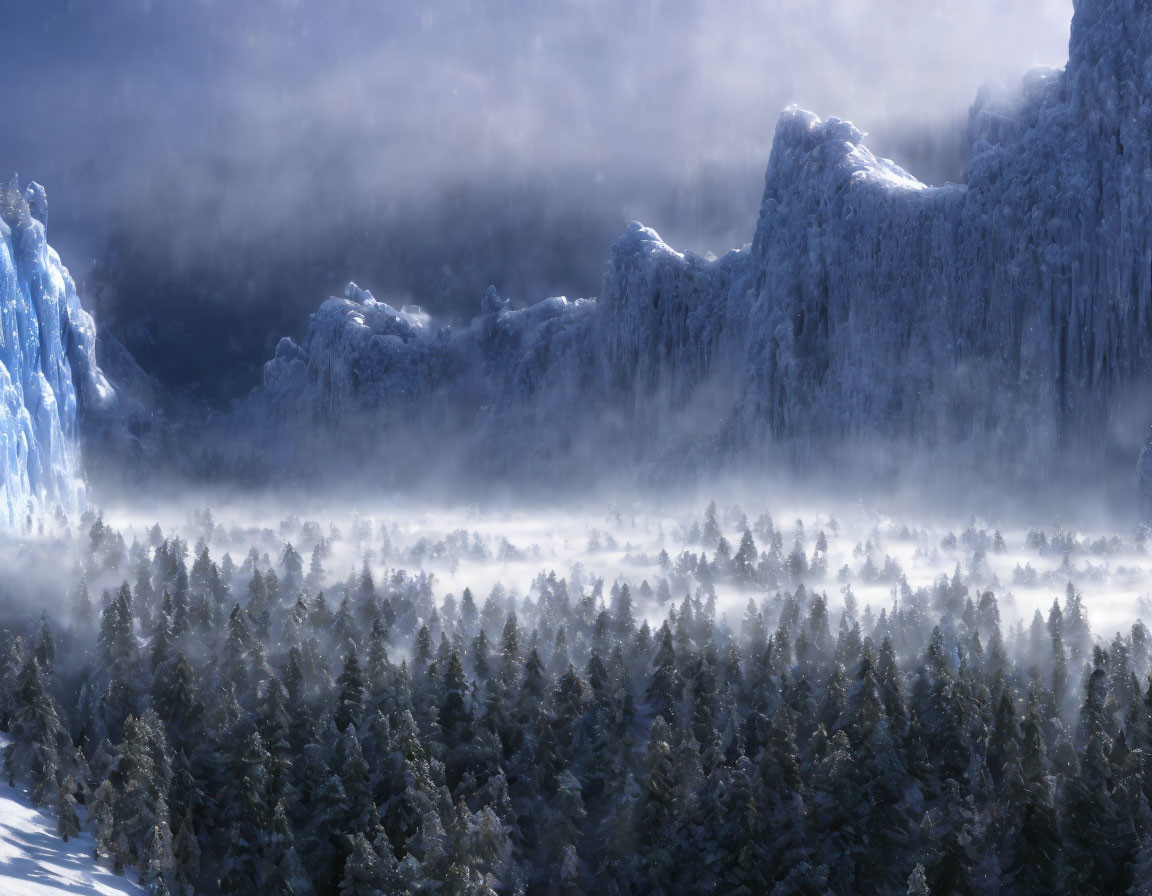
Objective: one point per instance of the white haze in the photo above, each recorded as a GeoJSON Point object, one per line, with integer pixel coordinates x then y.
{"type": "Point", "coordinates": [620, 542]}
{"type": "Point", "coordinates": [245, 116]}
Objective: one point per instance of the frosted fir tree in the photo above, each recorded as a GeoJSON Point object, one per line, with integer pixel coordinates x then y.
{"type": "Point", "coordinates": [1142, 871]}
{"type": "Point", "coordinates": [711, 530]}
{"type": "Point", "coordinates": [245, 814]}
{"type": "Point", "coordinates": [282, 872]}
{"type": "Point", "coordinates": [158, 861]}
{"type": "Point", "coordinates": [68, 818]}
{"type": "Point", "coordinates": [36, 732]}
{"type": "Point", "coordinates": [364, 871]}
{"type": "Point", "coordinates": [918, 882]}
{"type": "Point", "coordinates": [350, 706]}
{"type": "Point", "coordinates": [746, 560]}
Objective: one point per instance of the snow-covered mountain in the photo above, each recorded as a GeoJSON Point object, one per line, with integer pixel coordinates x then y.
{"type": "Point", "coordinates": [47, 365]}
{"type": "Point", "coordinates": [1008, 317]}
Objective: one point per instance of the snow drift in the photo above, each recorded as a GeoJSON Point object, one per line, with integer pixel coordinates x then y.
{"type": "Point", "coordinates": [1006, 318]}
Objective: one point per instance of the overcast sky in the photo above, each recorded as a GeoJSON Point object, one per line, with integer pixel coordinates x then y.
{"type": "Point", "coordinates": [191, 122]}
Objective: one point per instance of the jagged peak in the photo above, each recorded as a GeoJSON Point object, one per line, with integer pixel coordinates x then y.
{"type": "Point", "coordinates": [19, 208]}
{"type": "Point", "coordinates": [808, 149]}
{"type": "Point", "coordinates": [354, 293]}
{"type": "Point", "coordinates": [14, 209]}
{"type": "Point", "coordinates": [493, 302]}
{"type": "Point", "coordinates": [37, 198]}
{"type": "Point", "coordinates": [640, 240]}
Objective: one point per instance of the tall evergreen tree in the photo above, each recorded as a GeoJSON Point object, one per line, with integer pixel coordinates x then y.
{"type": "Point", "coordinates": [350, 706]}
{"type": "Point", "coordinates": [35, 729]}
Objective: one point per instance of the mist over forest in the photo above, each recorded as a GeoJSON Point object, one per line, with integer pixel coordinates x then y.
{"type": "Point", "coordinates": [494, 449]}
{"type": "Point", "coordinates": [413, 702]}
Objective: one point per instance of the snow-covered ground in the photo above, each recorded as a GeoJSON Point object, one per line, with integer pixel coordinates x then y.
{"type": "Point", "coordinates": [876, 555]}
{"type": "Point", "coordinates": [34, 861]}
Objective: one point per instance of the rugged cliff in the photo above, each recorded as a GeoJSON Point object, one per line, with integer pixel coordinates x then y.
{"type": "Point", "coordinates": [47, 366]}
{"type": "Point", "coordinates": [1007, 320]}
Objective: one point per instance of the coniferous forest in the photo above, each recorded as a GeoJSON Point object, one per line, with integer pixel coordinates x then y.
{"type": "Point", "coordinates": [262, 724]}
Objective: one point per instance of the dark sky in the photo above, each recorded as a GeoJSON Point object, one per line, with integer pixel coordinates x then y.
{"type": "Point", "coordinates": [215, 168]}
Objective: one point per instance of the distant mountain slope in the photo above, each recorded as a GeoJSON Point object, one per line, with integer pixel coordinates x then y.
{"type": "Point", "coordinates": [1006, 321]}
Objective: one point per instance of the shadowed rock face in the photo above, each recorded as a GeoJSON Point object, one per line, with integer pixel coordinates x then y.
{"type": "Point", "coordinates": [47, 366]}
{"type": "Point", "coordinates": [1007, 321]}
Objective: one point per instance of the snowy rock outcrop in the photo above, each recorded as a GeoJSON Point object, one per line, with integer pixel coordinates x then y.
{"type": "Point", "coordinates": [47, 365]}
{"type": "Point", "coordinates": [1007, 318]}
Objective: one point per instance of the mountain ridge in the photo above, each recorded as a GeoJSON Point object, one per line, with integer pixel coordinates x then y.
{"type": "Point", "coordinates": [1005, 321]}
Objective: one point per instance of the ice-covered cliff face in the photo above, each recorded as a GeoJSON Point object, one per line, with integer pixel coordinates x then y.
{"type": "Point", "coordinates": [47, 365]}
{"type": "Point", "coordinates": [1007, 318]}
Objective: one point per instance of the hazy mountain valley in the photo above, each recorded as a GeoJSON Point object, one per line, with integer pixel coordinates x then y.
{"type": "Point", "coordinates": [816, 567]}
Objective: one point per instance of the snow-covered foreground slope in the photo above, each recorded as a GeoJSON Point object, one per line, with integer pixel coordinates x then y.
{"type": "Point", "coordinates": [34, 861]}
{"type": "Point", "coordinates": [47, 365]}
{"type": "Point", "coordinates": [1006, 321]}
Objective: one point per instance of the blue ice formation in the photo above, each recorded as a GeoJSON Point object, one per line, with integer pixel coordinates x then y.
{"type": "Point", "coordinates": [47, 366]}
